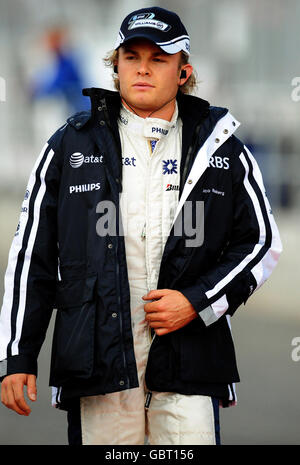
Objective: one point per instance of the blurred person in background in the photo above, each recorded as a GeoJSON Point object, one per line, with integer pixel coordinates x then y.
{"type": "Point", "coordinates": [113, 234]}
{"type": "Point", "coordinates": [62, 78]}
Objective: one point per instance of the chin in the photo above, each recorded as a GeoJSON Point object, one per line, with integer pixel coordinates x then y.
{"type": "Point", "coordinates": [142, 103]}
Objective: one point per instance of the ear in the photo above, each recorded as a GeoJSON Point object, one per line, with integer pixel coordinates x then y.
{"type": "Point", "coordinates": [185, 72]}
{"type": "Point", "coordinates": [116, 62]}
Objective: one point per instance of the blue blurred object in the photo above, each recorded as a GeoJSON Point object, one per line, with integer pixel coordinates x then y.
{"type": "Point", "coordinates": [63, 77]}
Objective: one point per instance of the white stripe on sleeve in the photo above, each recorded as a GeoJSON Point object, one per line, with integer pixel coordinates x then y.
{"type": "Point", "coordinates": [262, 234]}
{"type": "Point", "coordinates": [264, 268]}
{"type": "Point", "coordinates": [16, 246]}
{"type": "Point", "coordinates": [28, 253]}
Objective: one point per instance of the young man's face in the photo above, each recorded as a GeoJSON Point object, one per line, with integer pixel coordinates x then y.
{"type": "Point", "coordinates": [148, 76]}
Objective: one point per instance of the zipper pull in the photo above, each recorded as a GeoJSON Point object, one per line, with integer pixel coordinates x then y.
{"type": "Point", "coordinates": [148, 399]}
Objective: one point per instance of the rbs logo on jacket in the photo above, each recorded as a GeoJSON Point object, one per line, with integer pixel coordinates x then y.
{"type": "Point", "coordinates": [219, 162]}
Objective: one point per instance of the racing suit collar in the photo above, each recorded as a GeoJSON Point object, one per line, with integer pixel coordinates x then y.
{"type": "Point", "coordinates": [153, 128]}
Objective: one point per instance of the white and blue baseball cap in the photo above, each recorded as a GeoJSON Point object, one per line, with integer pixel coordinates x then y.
{"type": "Point", "coordinates": [163, 27]}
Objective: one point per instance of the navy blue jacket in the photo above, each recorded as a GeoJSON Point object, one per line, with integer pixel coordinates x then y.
{"type": "Point", "coordinates": [58, 260]}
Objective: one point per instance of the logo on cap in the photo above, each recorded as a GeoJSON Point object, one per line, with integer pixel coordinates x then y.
{"type": "Point", "coordinates": [146, 20]}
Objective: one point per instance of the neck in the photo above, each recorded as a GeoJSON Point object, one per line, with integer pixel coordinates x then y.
{"type": "Point", "coordinates": [165, 112]}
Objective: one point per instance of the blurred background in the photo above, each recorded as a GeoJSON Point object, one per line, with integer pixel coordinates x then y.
{"type": "Point", "coordinates": [246, 53]}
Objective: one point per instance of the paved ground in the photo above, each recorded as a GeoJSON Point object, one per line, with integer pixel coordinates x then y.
{"type": "Point", "coordinates": [268, 411]}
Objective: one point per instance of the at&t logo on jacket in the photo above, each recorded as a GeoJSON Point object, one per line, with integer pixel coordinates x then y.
{"type": "Point", "coordinates": [77, 159]}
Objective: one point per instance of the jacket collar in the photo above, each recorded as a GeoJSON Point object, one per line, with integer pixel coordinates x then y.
{"type": "Point", "coordinates": [190, 108]}
{"type": "Point", "coordinates": [224, 128]}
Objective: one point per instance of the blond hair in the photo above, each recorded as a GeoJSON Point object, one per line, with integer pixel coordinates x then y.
{"type": "Point", "coordinates": [188, 87]}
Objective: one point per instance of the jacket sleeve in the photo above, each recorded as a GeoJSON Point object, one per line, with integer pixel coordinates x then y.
{"type": "Point", "coordinates": [30, 277]}
{"type": "Point", "coordinates": [252, 251]}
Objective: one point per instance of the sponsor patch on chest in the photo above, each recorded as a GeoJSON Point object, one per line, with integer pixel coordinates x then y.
{"type": "Point", "coordinates": [129, 161]}
{"type": "Point", "coordinates": [159, 130]}
{"type": "Point", "coordinates": [219, 162]}
{"type": "Point", "coordinates": [169, 166]}
{"type": "Point", "coordinates": [172, 187]}
{"type": "Point", "coordinates": [78, 159]}
{"type": "Point", "coordinates": [80, 188]}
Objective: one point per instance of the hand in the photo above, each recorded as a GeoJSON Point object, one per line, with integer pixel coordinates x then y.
{"type": "Point", "coordinates": [12, 394]}
{"type": "Point", "coordinates": [170, 312]}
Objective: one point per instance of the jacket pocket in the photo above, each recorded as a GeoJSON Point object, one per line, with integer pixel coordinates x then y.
{"type": "Point", "coordinates": [73, 337]}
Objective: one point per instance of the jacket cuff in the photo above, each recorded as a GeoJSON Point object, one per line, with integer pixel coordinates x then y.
{"type": "Point", "coordinates": [208, 312]}
{"type": "Point", "coordinates": [208, 315]}
{"type": "Point", "coordinates": [200, 304]}
{"type": "Point", "coordinates": [18, 364]}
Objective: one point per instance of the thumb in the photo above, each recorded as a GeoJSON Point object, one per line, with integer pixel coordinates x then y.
{"type": "Point", "coordinates": [31, 387]}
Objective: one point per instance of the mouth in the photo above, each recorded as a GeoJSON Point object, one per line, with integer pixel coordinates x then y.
{"type": "Point", "coordinates": [142, 85]}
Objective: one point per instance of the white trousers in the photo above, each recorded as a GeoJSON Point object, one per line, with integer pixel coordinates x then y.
{"type": "Point", "coordinates": [120, 418]}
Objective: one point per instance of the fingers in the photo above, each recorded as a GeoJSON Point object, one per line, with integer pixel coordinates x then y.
{"type": "Point", "coordinates": [156, 294]}
{"type": "Point", "coordinates": [157, 305]}
{"type": "Point", "coordinates": [31, 387]}
{"type": "Point", "coordinates": [7, 398]}
{"type": "Point", "coordinates": [155, 314]}
{"type": "Point", "coordinates": [156, 324]}
{"type": "Point", "coordinates": [12, 394]}
{"type": "Point", "coordinates": [162, 312]}
{"type": "Point", "coordinates": [157, 319]}
{"type": "Point", "coordinates": [163, 331]}
{"type": "Point", "coordinates": [161, 325]}
{"type": "Point", "coordinates": [18, 390]}
{"type": "Point", "coordinates": [151, 307]}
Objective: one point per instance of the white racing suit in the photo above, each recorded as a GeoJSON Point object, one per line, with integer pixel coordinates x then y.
{"type": "Point", "coordinates": [151, 153]}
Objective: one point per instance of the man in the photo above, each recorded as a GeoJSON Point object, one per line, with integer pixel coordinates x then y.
{"type": "Point", "coordinates": [146, 224]}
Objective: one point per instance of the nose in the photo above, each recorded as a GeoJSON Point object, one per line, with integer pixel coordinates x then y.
{"type": "Point", "coordinates": [143, 68]}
